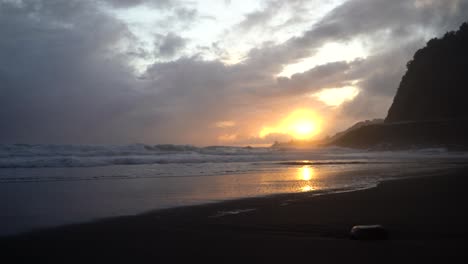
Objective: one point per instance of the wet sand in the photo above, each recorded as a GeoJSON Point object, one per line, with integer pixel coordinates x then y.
{"type": "Point", "coordinates": [426, 219]}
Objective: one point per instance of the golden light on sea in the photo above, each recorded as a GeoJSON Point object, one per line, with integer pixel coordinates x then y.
{"type": "Point", "coordinates": [302, 124]}
{"type": "Point", "coordinates": [306, 173]}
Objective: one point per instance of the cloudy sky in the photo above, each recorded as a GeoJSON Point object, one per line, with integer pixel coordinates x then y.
{"type": "Point", "coordinates": [227, 72]}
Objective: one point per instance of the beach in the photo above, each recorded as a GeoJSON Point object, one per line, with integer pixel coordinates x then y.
{"type": "Point", "coordinates": [425, 218]}
{"type": "Point", "coordinates": [264, 131]}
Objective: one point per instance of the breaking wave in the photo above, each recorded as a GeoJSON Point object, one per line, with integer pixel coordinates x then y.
{"type": "Point", "coordinates": [41, 156]}
{"type": "Point", "coordinates": [34, 156]}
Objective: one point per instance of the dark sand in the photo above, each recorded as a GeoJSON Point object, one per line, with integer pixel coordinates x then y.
{"type": "Point", "coordinates": [426, 219]}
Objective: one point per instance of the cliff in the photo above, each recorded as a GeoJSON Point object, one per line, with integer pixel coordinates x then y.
{"type": "Point", "coordinates": [429, 109]}
{"type": "Point", "coordinates": [435, 86]}
{"type": "Point", "coordinates": [450, 134]}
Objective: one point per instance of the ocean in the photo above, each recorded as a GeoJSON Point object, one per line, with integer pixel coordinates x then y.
{"type": "Point", "coordinates": [51, 185]}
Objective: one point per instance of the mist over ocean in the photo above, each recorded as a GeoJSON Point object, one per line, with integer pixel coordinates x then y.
{"type": "Point", "coordinates": [51, 185]}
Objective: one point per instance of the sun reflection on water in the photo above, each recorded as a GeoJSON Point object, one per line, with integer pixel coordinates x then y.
{"type": "Point", "coordinates": [306, 174]}
{"type": "Point", "coordinates": [307, 188]}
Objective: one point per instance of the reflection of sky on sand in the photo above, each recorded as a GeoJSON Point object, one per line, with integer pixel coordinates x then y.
{"type": "Point", "coordinates": [282, 179]}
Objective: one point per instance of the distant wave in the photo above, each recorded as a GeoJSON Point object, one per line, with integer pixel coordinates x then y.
{"type": "Point", "coordinates": [31, 150]}
{"type": "Point", "coordinates": [34, 156]}
{"type": "Point", "coordinates": [42, 156]}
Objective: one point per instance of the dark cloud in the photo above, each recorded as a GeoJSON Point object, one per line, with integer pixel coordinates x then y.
{"type": "Point", "coordinates": [170, 45]}
{"type": "Point", "coordinates": [65, 80]}
{"type": "Point", "coordinates": [334, 74]}
{"type": "Point", "coordinates": [260, 18]}
{"type": "Point", "coordinates": [263, 19]}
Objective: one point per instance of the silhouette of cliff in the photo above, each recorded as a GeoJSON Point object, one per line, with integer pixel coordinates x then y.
{"type": "Point", "coordinates": [356, 126]}
{"type": "Point", "coordinates": [429, 109]}
{"type": "Point", "coordinates": [450, 134]}
{"type": "Point", "coordinates": [435, 86]}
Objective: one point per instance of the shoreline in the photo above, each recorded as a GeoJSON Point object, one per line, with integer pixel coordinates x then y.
{"type": "Point", "coordinates": [425, 215]}
{"type": "Point", "coordinates": [44, 213]}
{"type": "Point", "coordinates": [299, 194]}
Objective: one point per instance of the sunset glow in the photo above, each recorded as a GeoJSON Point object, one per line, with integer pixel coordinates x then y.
{"type": "Point", "coordinates": [329, 52]}
{"type": "Point", "coordinates": [336, 96]}
{"type": "Point", "coordinates": [302, 124]}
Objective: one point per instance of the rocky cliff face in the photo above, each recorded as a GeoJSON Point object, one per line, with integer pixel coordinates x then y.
{"type": "Point", "coordinates": [435, 87]}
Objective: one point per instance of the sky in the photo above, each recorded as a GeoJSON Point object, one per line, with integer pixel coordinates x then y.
{"type": "Point", "coordinates": [206, 72]}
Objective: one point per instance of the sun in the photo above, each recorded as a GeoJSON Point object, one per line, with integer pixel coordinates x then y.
{"type": "Point", "coordinates": [303, 128]}
{"type": "Point", "coordinates": [302, 124]}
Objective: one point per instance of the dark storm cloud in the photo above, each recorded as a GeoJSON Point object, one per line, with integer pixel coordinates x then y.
{"type": "Point", "coordinates": [64, 80]}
